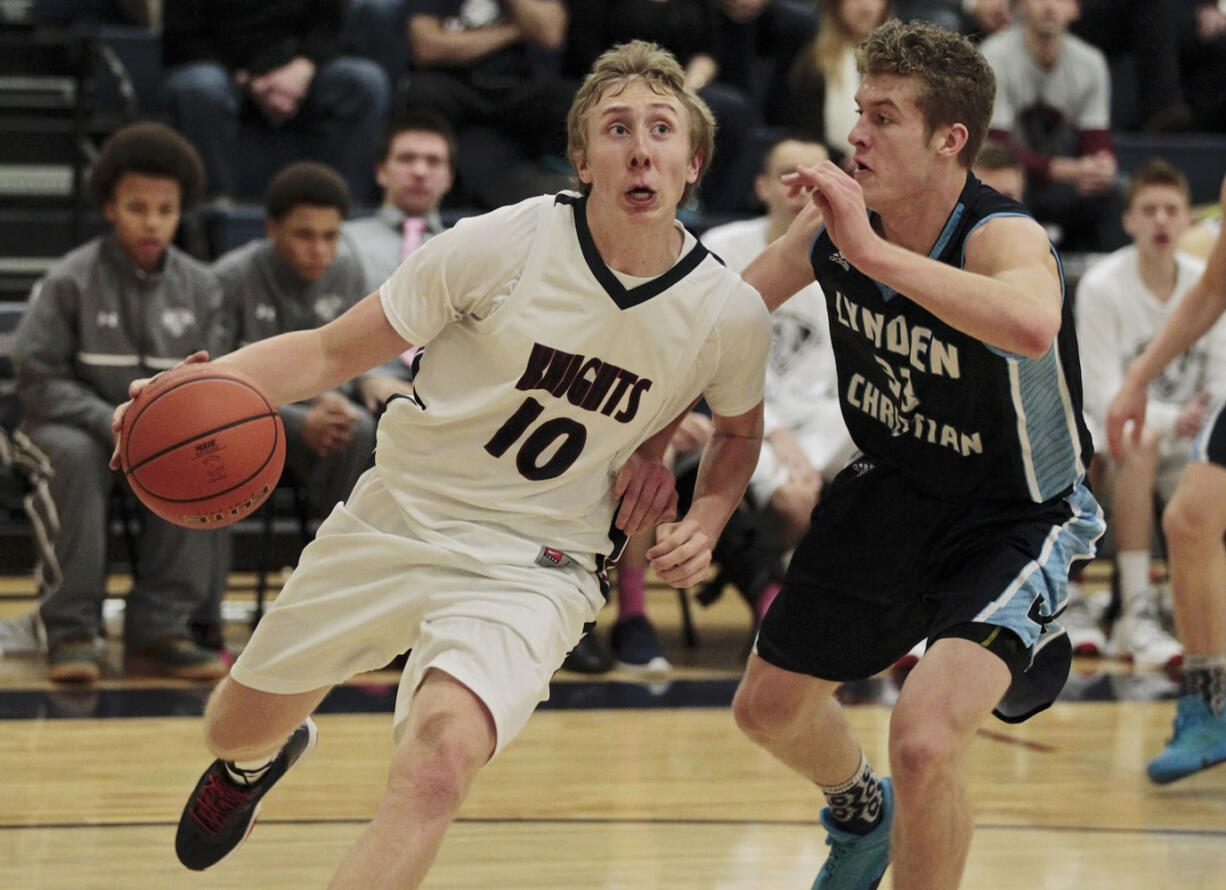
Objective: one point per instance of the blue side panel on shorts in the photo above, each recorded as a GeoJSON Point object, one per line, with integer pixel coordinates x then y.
{"type": "Point", "coordinates": [1039, 593]}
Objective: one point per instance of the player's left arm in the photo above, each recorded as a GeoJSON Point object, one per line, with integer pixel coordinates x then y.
{"type": "Point", "coordinates": [682, 553]}
{"type": "Point", "coordinates": [1008, 295]}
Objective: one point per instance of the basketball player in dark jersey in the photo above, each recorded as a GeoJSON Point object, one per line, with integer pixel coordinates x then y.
{"type": "Point", "coordinates": [1194, 523]}
{"type": "Point", "coordinates": [959, 382]}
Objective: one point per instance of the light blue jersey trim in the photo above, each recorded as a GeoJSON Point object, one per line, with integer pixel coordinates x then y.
{"type": "Point", "coordinates": [1044, 581]}
{"type": "Point", "coordinates": [888, 293]}
{"type": "Point", "coordinates": [1039, 389]}
{"type": "Point", "coordinates": [813, 244]}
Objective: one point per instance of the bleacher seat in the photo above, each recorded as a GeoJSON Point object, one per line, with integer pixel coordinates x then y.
{"type": "Point", "coordinates": [52, 121]}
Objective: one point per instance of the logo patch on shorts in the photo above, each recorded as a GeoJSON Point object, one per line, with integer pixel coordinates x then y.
{"type": "Point", "coordinates": [551, 558]}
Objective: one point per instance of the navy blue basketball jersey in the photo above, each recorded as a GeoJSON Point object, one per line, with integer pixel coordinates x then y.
{"type": "Point", "coordinates": [963, 418]}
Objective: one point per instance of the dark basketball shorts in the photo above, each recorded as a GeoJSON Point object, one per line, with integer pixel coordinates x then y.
{"type": "Point", "coordinates": [1210, 444]}
{"type": "Point", "coordinates": [886, 564]}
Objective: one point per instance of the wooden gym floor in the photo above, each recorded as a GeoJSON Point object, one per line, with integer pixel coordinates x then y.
{"type": "Point", "coordinates": [619, 783]}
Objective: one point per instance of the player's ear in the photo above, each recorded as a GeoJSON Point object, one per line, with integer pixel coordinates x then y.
{"type": "Point", "coordinates": [579, 159]}
{"type": "Point", "coordinates": [691, 175]}
{"type": "Point", "coordinates": [951, 139]}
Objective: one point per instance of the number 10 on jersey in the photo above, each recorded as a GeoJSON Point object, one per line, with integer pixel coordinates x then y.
{"type": "Point", "coordinates": [569, 436]}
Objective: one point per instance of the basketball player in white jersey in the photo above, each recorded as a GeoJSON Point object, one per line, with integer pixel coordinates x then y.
{"type": "Point", "coordinates": [583, 325]}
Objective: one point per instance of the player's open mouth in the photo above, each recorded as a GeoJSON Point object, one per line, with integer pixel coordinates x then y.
{"type": "Point", "coordinates": [641, 195]}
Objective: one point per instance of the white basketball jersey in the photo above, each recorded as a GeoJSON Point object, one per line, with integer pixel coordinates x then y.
{"type": "Point", "coordinates": [544, 370]}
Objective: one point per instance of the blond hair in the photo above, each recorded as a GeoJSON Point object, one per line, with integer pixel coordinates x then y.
{"type": "Point", "coordinates": [658, 68]}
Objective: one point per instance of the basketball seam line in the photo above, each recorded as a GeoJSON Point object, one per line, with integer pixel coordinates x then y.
{"type": "Point", "coordinates": [210, 432]}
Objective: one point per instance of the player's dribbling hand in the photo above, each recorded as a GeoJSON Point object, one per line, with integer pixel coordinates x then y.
{"type": "Point", "coordinates": [134, 389]}
{"type": "Point", "coordinates": [648, 494]}
{"type": "Point", "coordinates": [682, 553]}
{"type": "Point", "coordinates": [1127, 408]}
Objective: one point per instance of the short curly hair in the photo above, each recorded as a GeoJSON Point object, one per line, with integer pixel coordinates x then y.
{"type": "Point", "coordinates": [151, 149]}
{"type": "Point", "coordinates": [957, 85]}
{"type": "Point", "coordinates": [306, 182]}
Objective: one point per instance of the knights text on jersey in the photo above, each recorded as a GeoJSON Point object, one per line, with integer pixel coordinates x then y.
{"type": "Point", "coordinates": [964, 418]}
{"type": "Point", "coordinates": [544, 369]}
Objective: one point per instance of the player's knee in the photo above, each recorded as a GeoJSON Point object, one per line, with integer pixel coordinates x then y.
{"type": "Point", "coordinates": [921, 752]}
{"type": "Point", "coordinates": [1189, 520]}
{"type": "Point", "coordinates": [762, 715]}
{"type": "Point", "coordinates": [435, 764]}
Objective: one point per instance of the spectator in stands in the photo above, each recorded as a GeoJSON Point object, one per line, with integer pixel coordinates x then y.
{"type": "Point", "coordinates": [123, 306]}
{"type": "Point", "coordinates": [806, 441]}
{"type": "Point", "coordinates": [1053, 108]}
{"type": "Point", "coordinates": [1147, 33]}
{"type": "Point", "coordinates": [688, 29]}
{"type": "Point", "coordinates": [490, 68]}
{"type": "Point", "coordinates": [297, 279]}
{"type": "Point", "coordinates": [272, 65]}
{"type": "Point", "coordinates": [415, 172]}
{"type": "Point", "coordinates": [975, 18]}
{"type": "Point", "coordinates": [999, 166]}
{"type": "Point", "coordinates": [824, 79]}
{"type": "Point", "coordinates": [1122, 302]}
{"type": "Point", "coordinates": [1203, 62]}
{"type": "Point", "coordinates": [757, 43]}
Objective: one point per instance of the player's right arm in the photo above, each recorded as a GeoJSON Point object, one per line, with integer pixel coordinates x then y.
{"type": "Point", "coordinates": [299, 365]}
{"type": "Point", "coordinates": [682, 552]}
{"type": "Point", "coordinates": [1201, 306]}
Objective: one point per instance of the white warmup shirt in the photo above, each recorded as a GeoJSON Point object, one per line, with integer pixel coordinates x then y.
{"type": "Point", "coordinates": [1117, 317]}
{"type": "Point", "coordinates": [802, 391]}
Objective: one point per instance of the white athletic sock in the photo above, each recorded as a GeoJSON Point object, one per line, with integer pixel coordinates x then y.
{"type": "Point", "coordinates": [1133, 566]}
{"type": "Point", "coordinates": [248, 772]}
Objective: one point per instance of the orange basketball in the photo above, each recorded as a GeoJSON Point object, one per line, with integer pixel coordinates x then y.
{"type": "Point", "coordinates": [202, 446]}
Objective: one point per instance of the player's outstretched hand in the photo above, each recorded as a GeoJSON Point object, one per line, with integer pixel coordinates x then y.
{"type": "Point", "coordinates": [841, 201]}
{"type": "Point", "coordinates": [1128, 407]}
{"type": "Point", "coordinates": [134, 389]}
{"type": "Point", "coordinates": [682, 553]}
{"type": "Point", "coordinates": [648, 494]}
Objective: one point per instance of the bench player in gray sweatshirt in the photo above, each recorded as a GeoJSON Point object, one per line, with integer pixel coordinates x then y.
{"type": "Point", "coordinates": [122, 306]}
